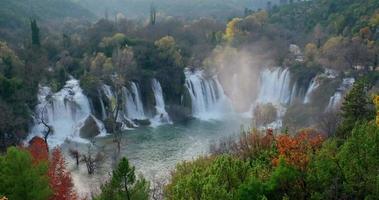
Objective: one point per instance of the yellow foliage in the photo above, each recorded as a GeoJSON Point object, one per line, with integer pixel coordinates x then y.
{"type": "Point", "coordinates": [376, 102]}
{"type": "Point", "coordinates": [374, 21]}
{"type": "Point", "coordinates": [310, 51]}
{"type": "Point", "coordinates": [168, 49]}
{"type": "Point", "coordinates": [232, 29]}
{"type": "Point", "coordinates": [258, 18]}
{"type": "Point", "coordinates": [332, 43]}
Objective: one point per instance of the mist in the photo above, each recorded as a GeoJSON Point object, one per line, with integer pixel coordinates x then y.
{"type": "Point", "coordinates": [238, 71]}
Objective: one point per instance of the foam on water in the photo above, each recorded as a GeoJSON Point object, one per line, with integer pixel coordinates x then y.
{"type": "Point", "coordinates": [64, 111]}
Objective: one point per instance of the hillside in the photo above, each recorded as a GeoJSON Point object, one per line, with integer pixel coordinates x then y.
{"type": "Point", "coordinates": [219, 9]}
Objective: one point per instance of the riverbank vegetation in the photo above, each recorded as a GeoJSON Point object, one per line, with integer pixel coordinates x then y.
{"type": "Point", "coordinates": [304, 165]}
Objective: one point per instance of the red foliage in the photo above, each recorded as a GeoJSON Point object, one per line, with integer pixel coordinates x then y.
{"type": "Point", "coordinates": [60, 178]}
{"type": "Point", "coordinates": [296, 149]}
{"type": "Point", "coordinates": [38, 149]}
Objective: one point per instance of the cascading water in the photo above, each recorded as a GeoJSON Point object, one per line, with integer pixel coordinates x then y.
{"type": "Point", "coordinates": [275, 86]}
{"type": "Point", "coordinates": [65, 111]}
{"type": "Point", "coordinates": [312, 87]}
{"type": "Point", "coordinates": [161, 114]}
{"type": "Point", "coordinates": [133, 103]}
{"type": "Point", "coordinates": [207, 96]}
{"type": "Point", "coordinates": [335, 100]}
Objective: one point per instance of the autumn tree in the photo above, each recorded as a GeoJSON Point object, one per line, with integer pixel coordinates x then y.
{"type": "Point", "coordinates": [38, 149]}
{"type": "Point", "coordinates": [376, 102]}
{"type": "Point", "coordinates": [295, 150]}
{"type": "Point", "coordinates": [232, 30]}
{"type": "Point", "coordinates": [60, 178]}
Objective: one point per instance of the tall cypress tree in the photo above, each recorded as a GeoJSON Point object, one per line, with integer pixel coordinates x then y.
{"type": "Point", "coordinates": [35, 32]}
{"type": "Point", "coordinates": [153, 14]}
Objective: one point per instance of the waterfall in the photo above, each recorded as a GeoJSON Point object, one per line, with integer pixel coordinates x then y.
{"type": "Point", "coordinates": [133, 103]}
{"type": "Point", "coordinates": [161, 115]}
{"type": "Point", "coordinates": [207, 95]}
{"type": "Point", "coordinates": [65, 111]}
{"type": "Point", "coordinates": [312, 87]}
{"type": "Point", "coordinates": [336, 99]}
{"type": "Point", "coordinates": [275, 86]}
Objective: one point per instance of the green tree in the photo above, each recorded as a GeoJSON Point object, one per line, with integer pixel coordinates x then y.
{"type": "Point", "coordinates": [355, 107]}
{"type": "Point", "coordinates": [35, 32]}
{"type": "Point", "coordinates": [124, 185]}
{"type": "Point", "coordinates": [21, 179]}
{"type": "Point", "coordinates": [153, 14]}
{"type": "Point", "coordinates": [359, 162]}
{"type": "Point", "coordinates": [208, 179]}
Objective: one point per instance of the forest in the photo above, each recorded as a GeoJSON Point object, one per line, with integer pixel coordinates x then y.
{"type": "Point", "coordinates": [189, 99]}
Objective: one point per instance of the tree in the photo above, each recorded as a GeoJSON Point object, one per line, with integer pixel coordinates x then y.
{"type": "Point", "coordinates": [38, 149]}
{"type": "Point", "coordinates": [124, 185]}
{"type": "Point", "coordinates": [35, 32]}
{"type": "Point", "coordinates": [347, 170]}
{"type": "Point", "coordinates": [355, 107]}
{"type": "Point", "coordinates": [310, 51]}
{"type": "Point", "coordinates": [153, 14]}
{"type": "Point", "coordinates": [91, 161]}
{"type": "Point", "coordinates": [295, 150]}
{"type": "Point", "coordinates": [74, 153]}
{"type": "Point", "coordinates": [318, 34]}
{"type": "Point", "coordinates": [48, 128]}
{"type": "Point", "coordinates": [60, 178]}
{"type": "Point", "coordinates": [21, 179]}
{"type": "Point", "coordinates": [264, 114]}
{"type": "Point", "coordinates": [328, 122]}
{"type": "Point", "coordinates": [232, 29]}
{"type": "Point", "coordinates": [376, 102]}
{"type": "Point", "coordinates": [359, 159]}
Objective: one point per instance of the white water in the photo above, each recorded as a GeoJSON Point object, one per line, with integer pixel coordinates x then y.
{"type": "Point", "coordinates": [207, 96]}
{"type": "Point", "coordinates": [275, 87]}
{"type": "Point", "coordinates": [312, 87]}
{"type": "Point", "coordinates": [336, 100]}
{"type": "Point", "coordinates": [65, 111]}
{"type": "Point", "coordinates": [161, 115]}
{"type": "Point", "coordinates": [133, 103]}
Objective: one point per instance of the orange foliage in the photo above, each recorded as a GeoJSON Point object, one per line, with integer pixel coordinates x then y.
{"type": "Point", "coordinates": [296, 149]}
{"type": "Point", "coordinates": [60, 178]}
{"type": "Point", "coordinates": [38, 149]}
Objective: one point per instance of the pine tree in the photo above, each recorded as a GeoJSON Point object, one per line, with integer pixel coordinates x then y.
{"type": "Point", "coordinates": [21, 179]}
{"type": "Point", "coordinates": [356, 107]}
{"type": "Point", "coordinates": [124, 185]}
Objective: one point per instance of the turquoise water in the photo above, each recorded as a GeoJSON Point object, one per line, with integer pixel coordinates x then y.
{"type": "Point", "coordinates": [155, 151]}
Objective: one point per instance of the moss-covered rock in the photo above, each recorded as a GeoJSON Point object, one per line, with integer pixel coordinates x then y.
{"type": "Point", "coordinates": [179, 113]}
{"type": "Point", "coordinates": [90, 129]}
